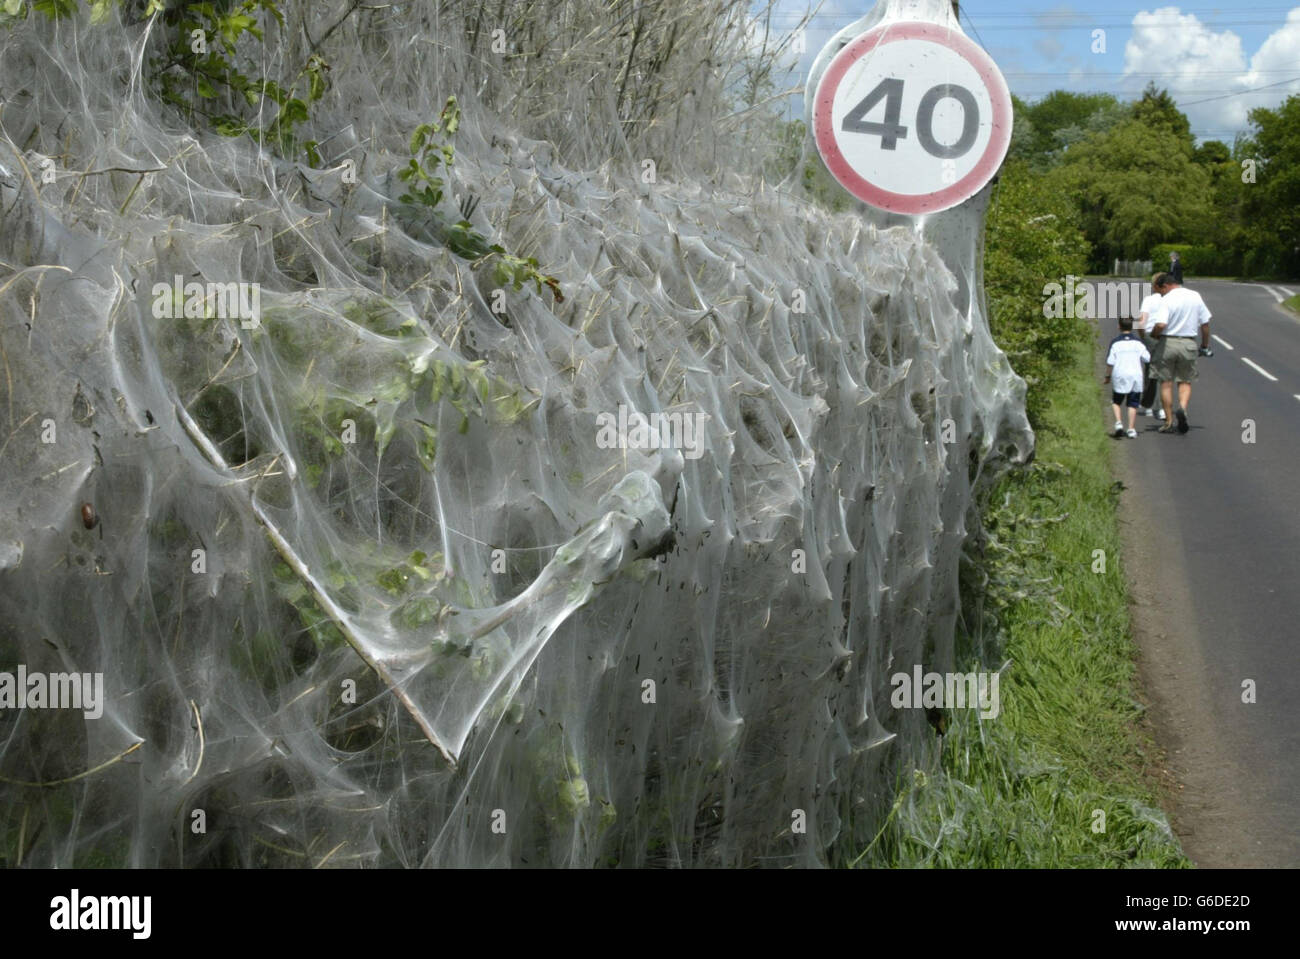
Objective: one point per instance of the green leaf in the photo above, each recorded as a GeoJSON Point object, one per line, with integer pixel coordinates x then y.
{"type": "Point", "coordinates": [384, 434]}
{"type": "Point", "coordinates": [394, 580]}
{"type": "Point", "coordinates": [229, 126]}
{"type": "Point", "coordinates": [417, 612]}
{"type": "Point", "coordinates": [232, 26]}
{"type": "Point", "coordinates": [56, 9]}
{"type": "Point", "coordinates": [427, 449]}
{"type": "Point", "coordinates": [451, 115]}
{"type": "Point", "coordinates": [273, 90]}
{"type": "Point", "coordinates": [292, 111]}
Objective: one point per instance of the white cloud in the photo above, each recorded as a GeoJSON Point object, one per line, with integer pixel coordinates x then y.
{"type": "Point", "coordinates": [1277, 59]}
{"type": "Point", "coordinates": [1202, 64]}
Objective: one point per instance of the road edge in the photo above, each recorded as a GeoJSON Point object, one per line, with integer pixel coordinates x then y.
{"type": "Point", "coordinates": [1192, 772]}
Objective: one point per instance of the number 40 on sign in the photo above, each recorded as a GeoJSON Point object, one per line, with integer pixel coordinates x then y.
{"type": "Point", "coordinates": [912, 118]}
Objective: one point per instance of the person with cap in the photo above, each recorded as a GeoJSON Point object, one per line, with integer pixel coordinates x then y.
{"type": "Point", "coordinates": [1180, 320]}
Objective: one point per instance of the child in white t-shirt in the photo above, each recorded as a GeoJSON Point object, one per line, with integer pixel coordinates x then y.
{"type": "Point", "coordinates": [1124, 373]}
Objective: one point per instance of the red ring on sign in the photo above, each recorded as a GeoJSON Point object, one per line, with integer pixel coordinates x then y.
{"type": "Point", "coordinates": [913, 203]}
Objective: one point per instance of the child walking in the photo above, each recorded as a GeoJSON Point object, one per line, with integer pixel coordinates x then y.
{"type": "Point", "coordinates": [1124, 374]}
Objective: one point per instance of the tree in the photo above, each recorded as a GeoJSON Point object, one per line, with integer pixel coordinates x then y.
{"type": "Point", "coordinates": [1022, 132]}
{"type": "Point", "coordinates": [1212, 153]}
{"type": "Point", "coordinates": [1271, 205]}
{"type": "Point", "coordinates": [1158, 109]}
{"type": "Point", "coordinates": [1063, 110]}
{"type": "Point", "coordinates": [1031, 238]}
{"type": "Point", "coordinates": [1106, 117]}
{"type": "Point", "coordinates": [1135, 185]}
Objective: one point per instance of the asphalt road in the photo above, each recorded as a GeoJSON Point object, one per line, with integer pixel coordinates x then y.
{"type": "Point", "coordinates": [1212, 528]}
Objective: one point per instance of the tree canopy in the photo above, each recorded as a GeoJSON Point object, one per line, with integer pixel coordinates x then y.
{"type": "Point", "coordinates": [1138, 180]}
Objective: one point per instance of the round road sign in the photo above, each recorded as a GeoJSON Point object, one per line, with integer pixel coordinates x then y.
{"type": "Point", "coordinates": [912, 117]}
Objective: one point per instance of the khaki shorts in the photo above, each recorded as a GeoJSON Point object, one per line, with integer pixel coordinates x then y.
{"type": "Point", "coordinates": [1177, 360]}
{"type": "Point", "coordinates": [1157, 350]}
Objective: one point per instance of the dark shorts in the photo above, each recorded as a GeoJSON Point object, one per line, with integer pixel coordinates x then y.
{"type": "Point", "coordinates": [1150, 391]}
{"type": "Point", "coordinates": [1126, 399]}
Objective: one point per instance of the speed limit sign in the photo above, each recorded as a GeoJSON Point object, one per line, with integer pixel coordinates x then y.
{"type": "Point", "coordinates": [912, 117]}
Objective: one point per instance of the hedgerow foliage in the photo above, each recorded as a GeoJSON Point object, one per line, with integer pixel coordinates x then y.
{"type": "Point", "coordinates": [1032, 238]}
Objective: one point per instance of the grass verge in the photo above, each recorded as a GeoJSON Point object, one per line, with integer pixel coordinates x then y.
{"type": "Point", "coordinates": [1057, 778]}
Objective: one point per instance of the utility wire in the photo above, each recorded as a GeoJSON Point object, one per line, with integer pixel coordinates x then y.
{"type": "Point", "coordinates": [1239, 93]}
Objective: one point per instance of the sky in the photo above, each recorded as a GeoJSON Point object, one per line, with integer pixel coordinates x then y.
{"type": "Point", "coordinates": [1217, 61]}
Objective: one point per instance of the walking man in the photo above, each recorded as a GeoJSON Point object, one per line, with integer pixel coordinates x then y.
{"type": "Point", "coordinates": [1151, 390]}
{"type": "Point", "coordinates": [1181, 319]}
{"type": "Point", "coordinates": [1176, 267]}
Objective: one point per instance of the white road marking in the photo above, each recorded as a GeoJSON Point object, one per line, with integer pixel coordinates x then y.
{"type": "Point", "coordinates": [1259, 369]}
{"type": "Point", "coordinates": [1221, 341]}
{"type": "Point", "coordinates": [1289, 293]}
{"type": "Point", "coordinates": [1276, 295]}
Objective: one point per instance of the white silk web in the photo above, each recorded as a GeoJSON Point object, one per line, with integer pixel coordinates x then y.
{"type": "Point", "coordinates": [367, 587]}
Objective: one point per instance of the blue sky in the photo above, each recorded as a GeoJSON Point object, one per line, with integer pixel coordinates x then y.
{"type": "Point", "coordinates": [1217, 60]}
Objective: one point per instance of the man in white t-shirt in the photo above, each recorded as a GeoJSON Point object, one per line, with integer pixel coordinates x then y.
{"type": "Point", "coordinates": [1151, 391]}
{"type": "Point", "coordinates": [1180, 321]}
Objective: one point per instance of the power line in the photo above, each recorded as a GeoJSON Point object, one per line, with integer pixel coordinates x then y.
{"type": "Point", "coordinates": [1022, 15]}
{"type": "Point", "coordinates": [1050, 15]}
{"type": "Point", "coordinates": [1084, 23]}
{"type": "Point", "coordinates": [966, 14]}
{"type": "Point", "coordinates": [1048, 74]}
{"type": "Point", "coordinates": [1218, 94]}
{"type": "Point", "coordinates": [1243, 92]}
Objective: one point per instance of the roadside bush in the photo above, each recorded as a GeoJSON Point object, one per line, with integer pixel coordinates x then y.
{"type": "Point", "coordinates": [1032, 238]}
{"type": "Point", "coordinates": [1201, 260]}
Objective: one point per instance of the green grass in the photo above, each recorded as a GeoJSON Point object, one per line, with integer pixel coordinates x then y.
{"type": "Point", "coordinates": [1292, 303]}
{"type": "Point", "coordinates": [1024, 789]}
